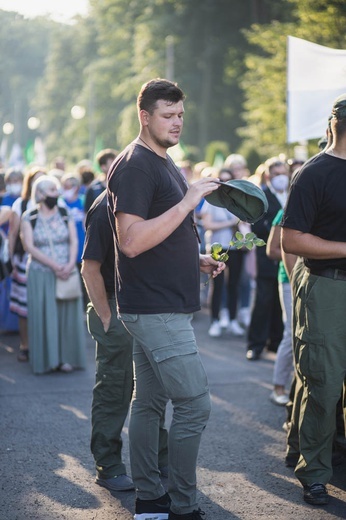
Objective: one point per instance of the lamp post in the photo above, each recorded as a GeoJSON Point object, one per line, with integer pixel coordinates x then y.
{"type": "Point", "coordinates": [35, 150]}
{"type": "Point", "coordinates": [170, 57]}
{"type": "Point", "coordinates": [33, 123]}
{"type": "Point", "coordinates": [78, 112]}
{"type": "Point", "coordinates": [7, 129]}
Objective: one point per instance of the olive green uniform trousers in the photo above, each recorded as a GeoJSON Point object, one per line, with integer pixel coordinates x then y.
{"type": "Point", "coordinates": [320, 336]}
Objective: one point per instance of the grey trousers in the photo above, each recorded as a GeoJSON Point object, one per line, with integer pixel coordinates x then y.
{"type": "Point", "coordinates": [167, 366]}
{"type": "Point", "coordinates": [283, 366]}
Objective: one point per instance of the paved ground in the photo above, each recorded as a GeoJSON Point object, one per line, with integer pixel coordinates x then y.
{"type": "Point", "coordinates": [47, 472]}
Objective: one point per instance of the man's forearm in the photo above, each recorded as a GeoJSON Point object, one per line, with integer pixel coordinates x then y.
{"type": "Point", "coordinates": [311, 246]}
{"type": "Point", "coordinates": [96, 290]}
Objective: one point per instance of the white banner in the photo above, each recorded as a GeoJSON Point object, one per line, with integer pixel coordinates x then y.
{"type": "Point", "coordinates": [316, 76]}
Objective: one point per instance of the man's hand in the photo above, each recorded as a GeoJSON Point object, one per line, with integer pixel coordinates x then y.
{"type": "Point", "coordinates": [197, 191]}
{"type": "Point", "coordinates": [106, 321]}
{"type": "Point", "coordinates": [210, 266]}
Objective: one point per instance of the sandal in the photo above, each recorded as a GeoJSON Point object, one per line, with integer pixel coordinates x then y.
{"type": "Point", "coordinates": [23, 355]}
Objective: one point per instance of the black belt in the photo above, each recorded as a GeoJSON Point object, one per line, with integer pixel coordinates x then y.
{"type": "Point", "coordinates": [334, 274]}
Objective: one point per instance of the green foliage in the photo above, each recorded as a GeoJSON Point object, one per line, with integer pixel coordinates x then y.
{"type": "Point", "coordinates": [230, 59]}
{"type": "Point", "coordinates": [239, 241]}
{"type": "Point", "coordinates": [264, 83]}
{"type": "Point", "coordinates": [23, 50]}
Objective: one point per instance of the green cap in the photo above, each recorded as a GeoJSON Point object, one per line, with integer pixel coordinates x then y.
{"type": "Point", "coordinates": [339, 107]}
{"type": "Point", "coordinates": [242, 198]}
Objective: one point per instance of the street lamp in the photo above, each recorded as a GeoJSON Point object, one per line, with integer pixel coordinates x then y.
{"type": "Point", "coordinates": [77, 112]}
{"type": "Point", "coordinates": [33, 123]}
{"type": "Point", "coordinates": [8, 128]}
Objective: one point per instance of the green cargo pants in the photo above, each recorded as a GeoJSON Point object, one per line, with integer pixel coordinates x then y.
{"type": "Point", "coordinates": [321, 354]}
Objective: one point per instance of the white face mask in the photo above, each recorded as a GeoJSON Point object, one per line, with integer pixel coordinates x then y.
{"type": "Point", "coordinates": [14, 189]}
{"type": "Point", "coordinates": [68, 194]}
{"type": "Point", "coordinates": [280, 182]}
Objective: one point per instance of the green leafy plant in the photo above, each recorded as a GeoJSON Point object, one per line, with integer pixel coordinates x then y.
{"type": "Point", "coordinates": [250, 240]}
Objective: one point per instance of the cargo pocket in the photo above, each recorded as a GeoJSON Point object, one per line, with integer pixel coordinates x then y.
{"type": "Point", "coordinates": [181, 370]}
{"type": "Point", "coordinates": [110, 384]}
{"type": "Point", "coordinates": [312, 356]}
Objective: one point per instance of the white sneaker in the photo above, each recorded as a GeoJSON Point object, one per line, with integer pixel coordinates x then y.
{"type": "Point", "coordinates": [224, 318]}
{"type": "Point", "coordinates": [235, 328]}
{"type": "Point", "coordinates": [244, 316]}
{"type": "Point", "coordinates": [215, 329]}
{"type": "Point", "coordinates": [66, 367]}
{"type": "Point", "coordinates": [280, 400]}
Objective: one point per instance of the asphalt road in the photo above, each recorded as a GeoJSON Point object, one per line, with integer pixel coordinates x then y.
{"type": "Point", "coordinates": [47, 471]}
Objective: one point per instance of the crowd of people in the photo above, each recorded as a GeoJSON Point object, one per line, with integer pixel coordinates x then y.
{"type": "Point", "coordinates": [286, 298]}
{"type": "Point", "coordinates": [45, 228]}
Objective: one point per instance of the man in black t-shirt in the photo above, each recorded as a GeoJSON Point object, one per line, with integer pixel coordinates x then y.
{"type": "Point", "coordinates": [158, 265]}
{"type": "Point", "coordinates": [314, 227]}
{"type": "Point", "coordinates": [114, 373]}
{"type": "Point", "coordinates": [113, 388]}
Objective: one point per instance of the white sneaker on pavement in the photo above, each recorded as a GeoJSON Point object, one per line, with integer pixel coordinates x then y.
{"type": "Point", "coordinates": [224, 318]}
{"type": "Point", "coordinates": [235, 328]}
{"type": "Point", "coordinates": [215, 329]}
{"type": "Point", "coordinates": [280, 400]}
{"type": "Point", "coordinates": [244, 316]}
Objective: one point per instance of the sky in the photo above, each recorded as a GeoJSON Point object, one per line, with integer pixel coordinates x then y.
{"type": "Point", "coordinates": [59, 10]}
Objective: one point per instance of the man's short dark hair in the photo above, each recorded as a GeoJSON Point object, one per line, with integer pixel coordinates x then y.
{"type": "Point", "coordinates": [104, 155]}
{"type": "Point", "coordinates": [157, 89]}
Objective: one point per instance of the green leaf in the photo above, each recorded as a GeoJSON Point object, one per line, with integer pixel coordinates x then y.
{"type": "Point", "coordinates": [259, 242]}
{"type": "Point", "coordinates": [239, 245]}
{"type": "Point", "coordinates": [239, 236]}
{"type": "Point", "coordinates": [216, 247]}
{"type": "Point", "coordinates": [250, 236]}
{"type": "Point", "coordinates": [224, 257]}
{"type": "Point", "coordinates": [249, 245]}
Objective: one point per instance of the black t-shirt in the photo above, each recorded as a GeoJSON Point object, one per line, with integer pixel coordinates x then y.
{"type": "Point", "coordinates": [99, 245]}
{"type": "Point", "coordinates": [317, 204]}
{"type": "Point", "coordinates": [165, 278]}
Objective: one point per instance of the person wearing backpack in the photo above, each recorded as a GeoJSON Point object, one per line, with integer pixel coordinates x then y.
{"type": "Point", "coordinates": [55, 326]}
{"type": "Point", "coordinates": [19, 258]}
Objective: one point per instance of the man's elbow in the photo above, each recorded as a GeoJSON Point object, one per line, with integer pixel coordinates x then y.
{"type": "Point", "coordinates": [129, 249]}
{"type": "Point", "coordinates": [288, 247]}
{"type": "Point", "coordinates": [89, 270]}
{"type": "Point", "coordinates": [290, 244]}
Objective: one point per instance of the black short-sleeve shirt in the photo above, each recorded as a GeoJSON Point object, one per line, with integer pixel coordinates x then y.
{"type": "Point", "coordinates": [165, 278]}
{"type": "Point", "coordinates": [99, 245]}
{"type": "Point", "coordinates": [317, 204]}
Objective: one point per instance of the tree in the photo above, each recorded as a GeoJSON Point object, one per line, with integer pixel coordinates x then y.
{"type": "Point", "coordinates": [264, 83]}
{"type": "Point", "coordinates": [23, 48]}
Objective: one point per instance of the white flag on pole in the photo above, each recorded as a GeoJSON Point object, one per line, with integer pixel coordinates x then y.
{"type": "Point", "coordinates": [316, 76]}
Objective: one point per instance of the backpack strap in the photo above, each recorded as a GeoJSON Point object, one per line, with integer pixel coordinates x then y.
{"type": "Point", "coordinates": [64, 214]}
{"type": "Point", "coordinates": [23, 206]}
{"type": "Point", "coordinates": [33, 216]}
